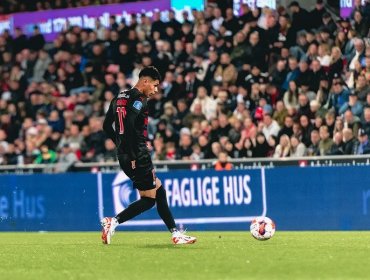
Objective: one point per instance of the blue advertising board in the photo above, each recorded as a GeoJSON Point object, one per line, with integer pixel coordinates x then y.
{"type": "Point", "coordinates": [202, 199]}
{"type": "Point", "coordinates": [319, 198]}
{"type": "Point", "coordinates": [60, 202]}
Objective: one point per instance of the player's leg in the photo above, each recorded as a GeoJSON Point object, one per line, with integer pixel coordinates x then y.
{"type": "Point", "coordinates": [142, 180]}
{"type": "Point", "coordinates": [166, 215]}
{"type": "Point", "coordinates": [162, 206]}
{"type": "Point", "coordinates": [159, 194]}
{"type": "Point", "coordinates": [135, 208]}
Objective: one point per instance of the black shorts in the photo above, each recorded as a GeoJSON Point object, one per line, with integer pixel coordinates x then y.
{"type": "Point", "coordinates": [143, 176]}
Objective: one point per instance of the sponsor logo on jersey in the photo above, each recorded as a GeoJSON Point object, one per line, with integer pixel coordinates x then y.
{"type": "Point", "coordinates": [138, 105]}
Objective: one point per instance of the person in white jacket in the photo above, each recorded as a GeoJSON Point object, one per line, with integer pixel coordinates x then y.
{"type": "Point", "coordinates": [209, 105]}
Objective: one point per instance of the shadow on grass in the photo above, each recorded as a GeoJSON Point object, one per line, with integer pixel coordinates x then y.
{"type": "Point", "coordinates": [171, 246]}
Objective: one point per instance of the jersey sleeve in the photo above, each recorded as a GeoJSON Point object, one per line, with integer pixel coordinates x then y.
{"type": "Point", "coordinates": [108, 123]}
{"type": "Point", "coordinates": [133, 110]}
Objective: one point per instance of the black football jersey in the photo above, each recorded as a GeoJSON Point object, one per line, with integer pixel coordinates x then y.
{"type": "Point", "coordinates": [129, 114]}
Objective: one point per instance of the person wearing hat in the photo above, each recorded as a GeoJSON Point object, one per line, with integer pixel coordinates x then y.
{"type": "Point", "coordinates": [353, 104]}
{"type": "Point", "coordinates": [328, 23]}
{"type": "Point", "coordinates": [338, 95]}
{"type": "Point", "coordinates": [300, 17]}
{"type": "Point", "coordinates": [363, 145]}
{"type": "Point", "coordinates": [317, 13]}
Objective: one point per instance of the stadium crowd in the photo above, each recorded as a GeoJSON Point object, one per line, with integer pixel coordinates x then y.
{"type": "Point", "coordinates": [285, 83]}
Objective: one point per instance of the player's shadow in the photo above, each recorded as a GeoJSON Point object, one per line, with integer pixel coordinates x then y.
{"type": "Point", "coordinates": [170, 246]}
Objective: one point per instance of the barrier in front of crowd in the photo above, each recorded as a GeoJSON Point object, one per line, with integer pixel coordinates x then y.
{"type": "Point", "coordinates": [251, 163]}
{"type": "Point", "coordinates": [312, 198]}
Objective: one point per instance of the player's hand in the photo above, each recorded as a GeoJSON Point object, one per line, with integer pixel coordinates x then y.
{"type": "Point", "coordinates": [133, 164]}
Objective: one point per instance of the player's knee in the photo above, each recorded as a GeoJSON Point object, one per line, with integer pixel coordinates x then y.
{"type": "Point", "coordinates": [158, 183]}
{"type": "Point", "coordinates": [161, 193]}
{"type": "Point", "coordinates": [149, 201]}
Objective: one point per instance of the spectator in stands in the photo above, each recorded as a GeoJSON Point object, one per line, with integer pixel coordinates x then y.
{"type": "Point", "coordinates": [362, 88]}
{"type": "Point", "coordinates": [361, 24]}
{"type": "Point", "coordinates": [46, 155]}
{"type": "Point", "coordinates": [293, 72]}
{"type": "Point", "coordinates": [280, 113]}
{"type": "Point", "coordinates": [338, 145]}
{"type": "Point", "coordinates": [260, 146]}
{"type": "Point", "coordinates": [357, 6]}
{"type": "Point", "coordinates": [287, 128]}
{"type": "Point", "coordinates": [351, 121]}
{"type": "Point", "coordinates": [36, 42]}
{"type": "Point", "coordinates": [283, 149]}
{"type": "Point", "coordinates": [291, 96]}
{"type": "Point", "coordinates": [350, 142]}
{"type": "Point", "coordinates": [208, 104]}
{"type": "Point", "coordinates": [353, 104]}
{"type": "Point", "coordinates": [222, 163]}
{"type": "Point", "coordinates": [110, 153]}
{"type": "Point", "coordinates": [339, 95]}
{"type": "Point", "coordinates": [366, 121]}
{"type": "Point", "coordinates": [226, 72]}
{"type": "Point", "coordinates": [297, 148]}
{"type": "Point", "coordinates": [196, 115]}
{"type": "Point", "coordinates": [185, 145]}
{"type": "Point", "coordinates": [270, 126]}
{"type": "Point", "coordinates": [317, 13]}
{"type": "Point", "coordinates": [328, 23]}
{"type": "Point", "coordinates": [300, 18]}
{"type": "Point", "coordinates": [358, 53]}
{"type": "Point", "coordinates": [159, 152]}
{"type": "Point", "coordinates": [363, 143]}
{"type": "Point", "coordinates": [314, 149]}
{"type": "Point", "coordinates": [326, 142]}
{"type": "Point", "coordinates": [66, 159]}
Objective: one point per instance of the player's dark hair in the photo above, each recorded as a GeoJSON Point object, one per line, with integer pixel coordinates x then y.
{"type": "Point", "coordinates": [150, 72]}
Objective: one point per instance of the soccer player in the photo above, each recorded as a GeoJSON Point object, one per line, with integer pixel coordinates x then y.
{"type": "Point", "coordinates": [129, 113]}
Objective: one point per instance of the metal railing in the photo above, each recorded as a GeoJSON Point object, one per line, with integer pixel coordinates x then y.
{"type": "Point", "coordinates": [250, 163]}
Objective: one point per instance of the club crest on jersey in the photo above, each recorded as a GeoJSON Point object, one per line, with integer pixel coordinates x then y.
{"type": "Point", "coordinates": [138, 105]}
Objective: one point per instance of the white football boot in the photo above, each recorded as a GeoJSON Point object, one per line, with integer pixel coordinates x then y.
{"type": "Point", "coordinates": [179, 237]}
{"type": "Point", "coordinates": [109, 225]}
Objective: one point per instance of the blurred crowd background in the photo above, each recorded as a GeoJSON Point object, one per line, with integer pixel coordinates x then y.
{"type": "Point", "coordinates": [266, 83]}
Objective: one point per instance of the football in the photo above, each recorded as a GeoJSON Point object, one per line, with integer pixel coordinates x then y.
{"type": "Point", "coordinates": [262, 228]}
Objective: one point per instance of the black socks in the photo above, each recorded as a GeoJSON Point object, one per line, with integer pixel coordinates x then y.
{"type": "Point", "coordinates": [163, 209]}
{"type": "Point", "coordinates": [136, 208]}
{"type": "Point", "coordinates": [144, 204]}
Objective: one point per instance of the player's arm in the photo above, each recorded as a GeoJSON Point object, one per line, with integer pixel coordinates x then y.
{"type": "Point", "coordinates": [108, 123]}
{"type": "Point", "coordinates": [133, 110]}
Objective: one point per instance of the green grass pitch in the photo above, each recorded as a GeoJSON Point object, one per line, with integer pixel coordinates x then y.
{"type": "Point", "coordinates": [216, 255]}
